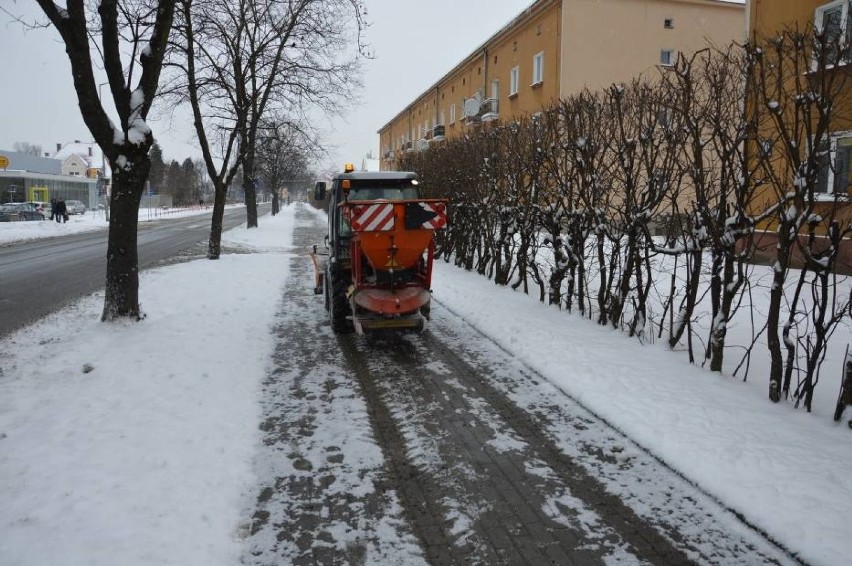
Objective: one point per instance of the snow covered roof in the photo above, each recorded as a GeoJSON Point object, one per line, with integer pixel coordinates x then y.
{"type": "Point", "coordinates": [88, 151]}
{"type": "Point", "coordinates": [32, 163]}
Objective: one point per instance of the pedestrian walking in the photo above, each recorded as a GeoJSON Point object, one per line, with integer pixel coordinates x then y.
{"type": "Point", "coordinates": [60, 211]}
{"type": "Point", "coordinates": [52, 208]}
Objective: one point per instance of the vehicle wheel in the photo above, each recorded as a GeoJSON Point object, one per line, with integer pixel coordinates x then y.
{"type": "Point", "coordinates": [426, 310]}
{"type": "Point", "coordinates": [340, 303]}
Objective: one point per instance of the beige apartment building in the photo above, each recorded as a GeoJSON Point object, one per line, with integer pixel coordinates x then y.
{"type": "Point", "coordinates": [553, 49]}
{"type": "Point", "coordinates": [834, 193]}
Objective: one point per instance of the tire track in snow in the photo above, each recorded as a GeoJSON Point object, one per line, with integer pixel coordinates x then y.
{"type": "Point", "coordinates": [499, 489]}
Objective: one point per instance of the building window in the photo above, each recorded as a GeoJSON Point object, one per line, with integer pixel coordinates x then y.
{"type": "Point", "coordinates": [668, 23]}
{"type": "Point", "coordinates": [452, 113]}
{"type": "Point", "coordinates": [538, 68]}
{"type": "Point", "coordinates": [495, 89]}
{"type": "Point", "coordinates": [834, 171]}
{"type": "Point", "coordinates": [833, 20]}
{"type": "Point", "coordinates": [667, 57]}
{"type": "Point", "coordinates": [441, 123]}
{"type": "Point", "coordinates": [514, 74]}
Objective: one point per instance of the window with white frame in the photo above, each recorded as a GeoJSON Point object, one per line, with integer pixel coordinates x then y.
{"type": "Point", "coordinates": [667, 57]}
{"type": "Point", "coordinates": [514, 76]}
{"type": "Point", "coordinates": [441, 121]}
{"type": "Point", "coordinates": [538, 68]}
{"type": "Point", "coordinates": [452, 113]}
{"type": "Point", "coordinates": [833, 20]}
{"type": "Point", "coordinates": [834, 165]}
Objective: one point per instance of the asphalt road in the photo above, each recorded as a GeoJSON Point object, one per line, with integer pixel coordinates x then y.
{"type": "Point", "coordinates": [38, 276]}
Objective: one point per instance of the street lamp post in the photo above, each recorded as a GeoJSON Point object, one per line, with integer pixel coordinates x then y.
{"type": "Point", "coordinates": [105, 185]}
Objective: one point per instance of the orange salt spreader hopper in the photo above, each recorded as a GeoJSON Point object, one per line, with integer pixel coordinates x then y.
{"type": "Point", "coordinates": [392, 251]}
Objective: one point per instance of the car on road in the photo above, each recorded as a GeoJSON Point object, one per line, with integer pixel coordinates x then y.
{"type": "Point", "coordinates": [75, 207]}
{"type": "Point", "coordinates": [14, 211]}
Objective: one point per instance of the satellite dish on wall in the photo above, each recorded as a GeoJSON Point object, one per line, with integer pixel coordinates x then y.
{"type": "Point", "coordinates": [471, 107]}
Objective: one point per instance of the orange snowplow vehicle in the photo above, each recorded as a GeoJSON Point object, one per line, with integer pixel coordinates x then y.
{"type": "Point", "coordinates": [381, 246]}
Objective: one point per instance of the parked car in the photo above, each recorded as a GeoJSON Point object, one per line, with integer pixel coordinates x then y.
{"type": "Point", "coordinates": [15, 211]}
{"type": "Point", "coordinates": [75, 207]}
{"type": "Point", "coordinates": [43, 207]}
{"type": "Point", "coordinates": [7, 213]}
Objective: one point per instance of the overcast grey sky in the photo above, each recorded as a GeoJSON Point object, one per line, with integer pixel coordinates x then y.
{"type": "Point", "coordinates": [415, 43]}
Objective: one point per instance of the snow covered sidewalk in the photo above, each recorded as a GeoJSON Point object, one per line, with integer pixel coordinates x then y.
{"type": "Point", "coordinates": [133, 443]}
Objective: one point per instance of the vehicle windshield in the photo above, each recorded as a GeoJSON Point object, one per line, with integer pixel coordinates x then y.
{"type": "Point", "coordinates": [382, 193]}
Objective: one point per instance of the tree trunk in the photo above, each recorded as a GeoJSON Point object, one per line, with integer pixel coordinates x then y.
{"type": "Point", "coordinates": [694, 261]}
{"type": "Point", "coordinates": [249, 186]}
{"type": "Point", "coordinates": [728, 289]}
{"type": "Point", "coordinates": [776, 295]}
{"type": "Point", "coordinates": [122, 273]}
{"type": "Point", "coordinates": [214, 245]}
{"type": "Point", "coordinates": [626, 276]}
{"type": "Point", "coordinates": [604, 280]}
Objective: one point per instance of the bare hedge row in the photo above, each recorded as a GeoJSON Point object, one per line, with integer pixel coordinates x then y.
{"type": "Point", "coordinates": [582, 201]}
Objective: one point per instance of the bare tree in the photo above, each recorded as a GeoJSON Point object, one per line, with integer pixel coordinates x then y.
{"type": "Point", "coordinates": [28, 148]}
{"type": "Point", "coordinates": [282, 157]}
{"type": "Point", "coordinates": [797, 95]}
{"type": "Point", "coordinates": [715, 163]}
{"type": "Point", "coordinates": [239, 60]}
{"type": "Point", "coordinates": [133, 36]}
{"type": "Point", "coordinates": [584, 180]}
{"type": "Point", "coordinates": [293, 53]}
{"type": "Point", "coordinates": [644, 156]}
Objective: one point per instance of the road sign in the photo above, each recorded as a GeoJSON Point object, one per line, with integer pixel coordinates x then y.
{"type": "Point", "coordinates": [4, 162]}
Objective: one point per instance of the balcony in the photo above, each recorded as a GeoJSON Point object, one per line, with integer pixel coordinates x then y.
{"type": "Point", "coordinates": [408, 147]}
{"type": "Point", "coordinates": [490, 110]}
{"type": "Point", "coordinates": [388, 155]}
{"type": "Point", "coordinates": [438, 133]}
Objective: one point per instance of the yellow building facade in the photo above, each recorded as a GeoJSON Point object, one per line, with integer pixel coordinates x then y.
{"type": "Point", "coordinates": [553, 49]}
{"type": "Point", "coordinates": [766, 19]}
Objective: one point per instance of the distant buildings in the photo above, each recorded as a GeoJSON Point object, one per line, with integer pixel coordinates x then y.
{"type": "Point", "coordinates": [71, 173]}
{"type": "Point", "coordinates": [78, 160]}
{"type": "Point", "coordinates": [554, 49]}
